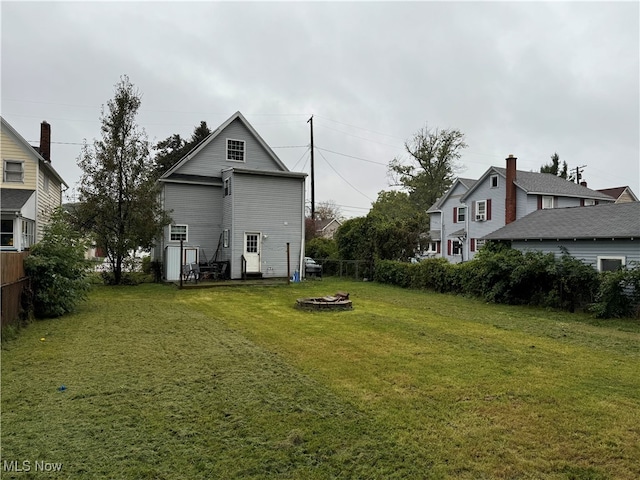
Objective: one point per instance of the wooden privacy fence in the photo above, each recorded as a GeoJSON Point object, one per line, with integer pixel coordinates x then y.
{"type": "Point", "coordinates": [13, 280]}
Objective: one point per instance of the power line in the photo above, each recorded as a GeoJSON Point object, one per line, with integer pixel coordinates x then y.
{"type": "Point", "coordinates": [361, 138]}
{"type": "Point", "coordinates": [296, 164]}
{"type": "Point", "coordinates": [346, 181]}
{"type": "Point", "coordinates": [351, 156]}
{"type": "Point", "coordinates": [360, 128]}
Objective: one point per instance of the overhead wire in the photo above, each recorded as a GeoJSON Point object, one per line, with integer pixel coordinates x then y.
{"type": "Point", "coordinates": [345, 180]}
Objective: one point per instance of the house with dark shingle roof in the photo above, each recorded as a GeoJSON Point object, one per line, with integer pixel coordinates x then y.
{"type": "Point", "coordinates": [621, 194]}
{"type": "Point", "coordinates": [30, 189]}
{"type": "Point", "coordinates": [472, 209]}
{"type": "Point", "coordinates": [606, 236]}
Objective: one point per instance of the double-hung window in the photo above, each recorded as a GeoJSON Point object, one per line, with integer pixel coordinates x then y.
{"type": "Point", "coordinates": [457, 247]}
{"type": "Point", "coordinates": [179, 232]}
{"type": "Point", "coordinates": [13, 171]}
{"type": "Point", "coordinates": [461, 214]}
{"type": "Point", "coordinates": [236, 150]}
{"type": "Point", "coordinates": [481, 211]}
{"type": "Point", "coordinates": [494, 181]}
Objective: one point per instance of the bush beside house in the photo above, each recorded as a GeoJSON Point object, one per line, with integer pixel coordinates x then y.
{"type": "Point", "coordinates": [503, 275]}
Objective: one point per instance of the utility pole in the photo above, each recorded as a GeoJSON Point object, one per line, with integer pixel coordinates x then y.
{"type": "Point", "coordinates": [579, 173]}
{"type": "Point", "coordinates": [313, 193]}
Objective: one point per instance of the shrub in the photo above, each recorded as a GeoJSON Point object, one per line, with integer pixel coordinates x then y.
{"type": "Point", "coordinates": [619, 294]}
{"type": "Point", "coordinates": [57, 268]}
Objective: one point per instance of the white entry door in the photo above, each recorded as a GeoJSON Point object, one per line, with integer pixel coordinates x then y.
{"type": "Point", "coordinates": [252, 251]}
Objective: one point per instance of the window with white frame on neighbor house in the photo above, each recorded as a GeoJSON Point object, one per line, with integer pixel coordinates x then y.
{"type": "Point", "coordinates": [547, 201]}
{"type": "Point", "coordinates": [225, 238]}
{"type": "Point", "coordinates": [235, 150]}
{"type": "Point", "coordinates": [610, 264]}
{"type": "Point", "coordinates": [457, 247]}
{"type": "Point", "coordinates": [481, 210]}
{"type": "Point", "coordinates": [178, 232]}
{"type": "Point", "coordinates": [588, 202]}
{"type": "Point", "coordinates": [28, 233]}
{"type": "Point", "coordinates": [494, 181]}
{"type": "Point", "coordinates": [13, 171]}
{"type": "Point", "coordinates": [461, 214]}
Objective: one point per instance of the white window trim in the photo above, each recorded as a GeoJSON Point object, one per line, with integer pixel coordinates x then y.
{"type": "Point", "coordinates": [13, 245]}
{"type": "Point", "coordinates": [186, 232]}
{"type": "Point", "coordinates": [462, 210]}
{"type": "Point", "coordinates": [484, 210]}
{"type": "Point", "coordinates": [589, 202]}
{"type": "Point", "coordinates": [497, 178]}
{"type": "Point", "coordinates": [547, 197]}
{"type": "Point", "coordinates": [622, 258]}
{"type": "Point", "coordinates": [244, 152]}
{"type": "Point", "coordinates": [453, 247]}
{"type": "Point", "coordinates": [4, 171]}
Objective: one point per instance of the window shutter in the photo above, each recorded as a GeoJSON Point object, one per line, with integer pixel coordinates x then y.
{"type": "Point", "coordinates": [539, 202]}
{"type": "Point", "coordinates": [555, 202]}
{"type": "Point", "coordinates": [488, 209]}
{"type": "Point", "coordinates": [597, 202]}
{"type": "Point", "coordinates": [438, 247]}
{"type": "Point", "coordinates": [473, 244]}
{"type": "Point", "coordinates": [473, 211]}
{"type": "Point", "coordinates": [582, 202]}
{"type": "Point", "coordinates": [455, 214]}
{"type": "Point", "coordinates": [449, 247]}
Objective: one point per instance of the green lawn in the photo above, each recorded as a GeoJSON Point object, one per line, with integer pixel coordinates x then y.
{"type": "Point", "coordinates": [236, 383]}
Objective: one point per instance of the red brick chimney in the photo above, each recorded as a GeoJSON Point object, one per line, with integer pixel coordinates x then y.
{"type": "Point", "coordinates": [583, 183]}
{"type": "Point", "coordinates": [510, 200]}
{"type": "Point", "coordinates": [45, 141]}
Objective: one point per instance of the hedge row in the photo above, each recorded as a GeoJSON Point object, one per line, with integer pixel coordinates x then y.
{"type": "Point", "coordinates": [505, 275]}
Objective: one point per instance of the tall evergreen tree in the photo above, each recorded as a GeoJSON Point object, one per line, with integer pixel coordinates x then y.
{"type": "Point", "coordinates": [172, 149]}
{"type": "Point", "coordinates": [119, 201]}
{"type": "Point", "coordinates": [554, 167]}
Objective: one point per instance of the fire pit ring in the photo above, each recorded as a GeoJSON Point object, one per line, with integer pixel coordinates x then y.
{"type": "Point", "coordinates": [339, 301]}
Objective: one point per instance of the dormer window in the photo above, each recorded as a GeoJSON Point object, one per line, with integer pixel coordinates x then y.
{"type": "Point", "coordinates": [235, 150]}
{"type": "Point", "coordinates": [494, 181]}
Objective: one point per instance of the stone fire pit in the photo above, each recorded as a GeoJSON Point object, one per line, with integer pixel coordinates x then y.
{"type": "Point", "coordinates": [339, 301]}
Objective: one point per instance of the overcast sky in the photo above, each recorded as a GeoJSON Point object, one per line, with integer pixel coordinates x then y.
{"type": "Point", "coordinates": [528, 79]}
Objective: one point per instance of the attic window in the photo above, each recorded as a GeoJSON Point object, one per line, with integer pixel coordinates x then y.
{"type": "Point", "coordinates": [13, 171]}
{"type": "Point", "coordinates": [494, 181]}
{"type": "Point", "coordinates": [235, 150]}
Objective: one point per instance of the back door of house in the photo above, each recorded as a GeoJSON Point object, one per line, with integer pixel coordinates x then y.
{"type": "Point", "coordinates": [252, 251]}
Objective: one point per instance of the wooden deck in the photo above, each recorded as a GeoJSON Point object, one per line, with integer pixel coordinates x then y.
{"type": "Point", "coordinates": [264, 282]}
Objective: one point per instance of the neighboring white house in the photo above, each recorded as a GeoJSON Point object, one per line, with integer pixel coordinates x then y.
{"type": "Point", "coordinates": [233, 200]}
{"type": "Point", "coordinates": [472, 209]}
{"type": "Point", "coordinates": [620, 194]}
{"type": "Point", "coordinates": [606, 236]}
{"type": "Point", "coordinates": [327, 228]}
{"type": "Point", "coordinates": [30, 190]}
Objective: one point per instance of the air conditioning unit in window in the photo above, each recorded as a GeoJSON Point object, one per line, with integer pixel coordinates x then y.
{"type": "Point", "coordinates": [479, 218]}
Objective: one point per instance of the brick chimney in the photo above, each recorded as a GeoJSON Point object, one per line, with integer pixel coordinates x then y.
{"type": "Point", "coordinates": [510, 200]}
{"type": "Point", "coordinates": [583, 183]}
{"type": "Point", "coordinates": [45, 141]}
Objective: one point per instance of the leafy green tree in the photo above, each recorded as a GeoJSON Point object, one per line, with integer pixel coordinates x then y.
{"type": "Point", "coordinates": [554, 167]}
{"type": "Point", "coordinates": [119, 201]}
{"type": "Point", "coordinates": [172, 149]}
{"type": "Point", "coordinates": [57, 268]}
{"type": "Point", "coordinates": [433, 154]}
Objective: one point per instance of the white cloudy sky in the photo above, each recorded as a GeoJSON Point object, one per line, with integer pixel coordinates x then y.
{"type": "Point", "coordinates": [528, 79]}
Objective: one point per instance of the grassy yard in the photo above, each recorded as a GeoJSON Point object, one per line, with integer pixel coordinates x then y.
{"type": "Point", "coordinates": [236, 383]}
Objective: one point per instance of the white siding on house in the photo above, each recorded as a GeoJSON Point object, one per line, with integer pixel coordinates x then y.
{"type": "Point", "coordinates": [212, 159]}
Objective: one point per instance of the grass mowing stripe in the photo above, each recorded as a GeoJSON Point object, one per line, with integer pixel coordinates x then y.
{"type": "Point", "coordinates": [237, 383]}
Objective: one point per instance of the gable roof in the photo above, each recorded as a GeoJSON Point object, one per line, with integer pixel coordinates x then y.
{"type": "Point", "coordinates": [610, 220]}
{"type": "Point", "coordinates": [32, 150]}
{"type": "Point", "coordinates": [465, 182]}
{"type": "Point", "coordinates": [617, 191]}
{"type": "Point", "coordinates": [215, 134]}
{"type": "Point", "coordinates": [322, 224]}
{"type": "Point", "coordinates": [536, 183]}
{"type": "Point", "coordinates": [13, 199]}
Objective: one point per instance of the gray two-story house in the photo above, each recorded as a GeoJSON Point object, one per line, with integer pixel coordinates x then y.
{"type": "Point", "coordinates": [233, 200]}
{"type": "Point", "coordinates": [471, 210]}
